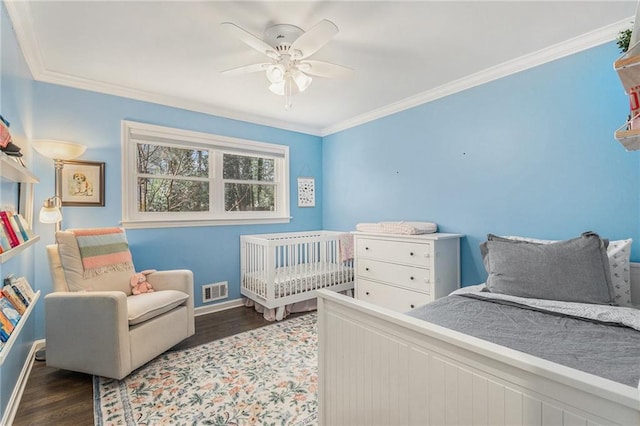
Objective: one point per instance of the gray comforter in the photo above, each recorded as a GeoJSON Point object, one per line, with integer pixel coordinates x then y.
{"type": "Point", "coordinates": [605, 349]}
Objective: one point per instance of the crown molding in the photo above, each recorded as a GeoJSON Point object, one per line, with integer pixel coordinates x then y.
{"type": "Point", "coordinates": [166, 100]}
{"type": "Point", "coordinates": [21, 19]}
{"type": "Point", "coordinates": [22, 23]}
{"type": "Point", "coordinates": [551, 53]}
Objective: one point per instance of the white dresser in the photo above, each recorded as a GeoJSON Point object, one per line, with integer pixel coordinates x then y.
{"type": "Point", "coordinates": [402, 272]}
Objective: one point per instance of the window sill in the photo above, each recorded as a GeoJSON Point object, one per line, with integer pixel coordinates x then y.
{"type": "Point", "coordinates": [142, 224]}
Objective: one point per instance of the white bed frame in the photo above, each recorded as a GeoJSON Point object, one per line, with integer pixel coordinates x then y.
{"type": "Point", "coordinates": [381, 367]}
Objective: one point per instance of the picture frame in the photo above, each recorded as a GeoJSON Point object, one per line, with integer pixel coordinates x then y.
{"type": "Point", "coordinates": [82, 184]}
{"type": "Point", "coordinates": [306, 192]}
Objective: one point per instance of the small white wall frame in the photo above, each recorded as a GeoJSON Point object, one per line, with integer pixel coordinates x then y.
{"type": "Point", "coordinates": [306, 192]}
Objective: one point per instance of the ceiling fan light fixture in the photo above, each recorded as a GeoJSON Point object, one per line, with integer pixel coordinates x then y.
{"type": "Point", "coordinates": [275, 73]}
{"type": "Point", "coordinates": [277, 88]}
{"type": "Point", "coordinates": [302, 80]}
{"type": "Point", "coordinates": [289, 47]}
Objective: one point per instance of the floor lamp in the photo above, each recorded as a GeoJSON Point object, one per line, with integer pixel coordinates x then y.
{"type": "Point", "coordinates": [59, 152]}
{"type": "Point", "coordinates": [50, 212]}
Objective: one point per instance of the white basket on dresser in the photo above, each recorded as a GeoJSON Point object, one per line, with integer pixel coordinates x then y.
{"type": "Point", "coordinates": [402, 272]}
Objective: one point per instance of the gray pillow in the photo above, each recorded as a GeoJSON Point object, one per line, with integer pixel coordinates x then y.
{"type": "Point", "coordinates": [575, 270]}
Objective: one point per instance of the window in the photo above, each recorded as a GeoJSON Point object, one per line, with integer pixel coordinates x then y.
{"type": "Point", "coordinates": [181, 178]}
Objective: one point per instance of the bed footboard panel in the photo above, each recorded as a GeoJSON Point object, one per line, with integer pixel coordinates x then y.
{"type": "Point", "coordinates": [379, 367]}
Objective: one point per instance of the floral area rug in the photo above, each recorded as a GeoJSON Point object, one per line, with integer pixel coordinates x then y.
{"type": "Point", "coordinates": [266, 376]}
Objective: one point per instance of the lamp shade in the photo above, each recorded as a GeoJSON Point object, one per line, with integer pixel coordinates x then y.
{"type": "Point", "coordinates": [50, 215]}
{"type": "Point", "coordinates": [302, 80]}
{"type": "Point", "coordinates": [50, 212]}
{"type": "Point", "coordinates": [58, 150]}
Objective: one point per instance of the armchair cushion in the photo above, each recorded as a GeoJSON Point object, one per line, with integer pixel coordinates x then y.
{"type": "Point", "coordinates": [143, 307]}
{"type": "Point", "coordinates": [74, 270]}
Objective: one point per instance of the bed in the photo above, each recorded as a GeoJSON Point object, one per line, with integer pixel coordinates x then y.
{"type": "Point", "coordinates": [381, 367]}
{"type": "Point", "coordinates": [286, 268]}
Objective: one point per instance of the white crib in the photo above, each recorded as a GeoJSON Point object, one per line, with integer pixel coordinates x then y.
{"type": "Point", "coordinates": [284, 268]}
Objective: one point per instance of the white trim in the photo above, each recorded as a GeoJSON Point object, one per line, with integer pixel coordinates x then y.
{"type": "Point", "coordinates": [217, 145]}
{"type": "Point", "coordinates": [218, 307]}
{"type": "Point", "coordinates": [18, 390]}
{"type": "Point", "coordinates": [144, 224]}
{"type": "Point", "coordinates": [21, 20]}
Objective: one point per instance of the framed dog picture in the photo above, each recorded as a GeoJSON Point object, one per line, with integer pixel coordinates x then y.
{"type": "Point", "coordinates": [83, 184]}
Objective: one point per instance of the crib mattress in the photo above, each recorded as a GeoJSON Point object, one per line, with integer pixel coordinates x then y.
{"type": "Point", "coordinates": [301, 278]}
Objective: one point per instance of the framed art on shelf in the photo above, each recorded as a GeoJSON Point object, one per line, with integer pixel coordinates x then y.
{"type": "Point", "coordinates": [306, 192]}
{"type": "Point", "coordinates": [83, 184]}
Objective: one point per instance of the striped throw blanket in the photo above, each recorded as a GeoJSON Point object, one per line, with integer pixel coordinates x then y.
{"type": "Point", "coordinates": [103, 250]}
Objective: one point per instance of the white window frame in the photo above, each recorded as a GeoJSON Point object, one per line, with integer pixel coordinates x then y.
{"type": "Point", "coordinates": [133, 132]}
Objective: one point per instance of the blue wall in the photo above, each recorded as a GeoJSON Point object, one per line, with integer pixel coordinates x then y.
{"type": "Point", "coordinates": [530, 154]}
{"type": "Point", "coordinates": [213, 252]}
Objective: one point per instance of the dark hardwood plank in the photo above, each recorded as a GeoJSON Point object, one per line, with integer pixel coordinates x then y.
{"type": "Point", "coordinates": [58, 397]}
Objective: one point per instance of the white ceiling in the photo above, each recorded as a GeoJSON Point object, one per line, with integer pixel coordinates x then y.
{"type": "Point", "coordinates": [403, 53]}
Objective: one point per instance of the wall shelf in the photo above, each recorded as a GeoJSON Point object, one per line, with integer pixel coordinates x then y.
{"type": "Point", "coordinates": [19, 249]}
{"type": "Point", "coordinates": [11, 170]}
{"type": "Point", "coordinates": [16, 331]}
{"type": "Point", "coordinates": [630, 139]}
{"type": "Point", "coordinates": [628, 70]}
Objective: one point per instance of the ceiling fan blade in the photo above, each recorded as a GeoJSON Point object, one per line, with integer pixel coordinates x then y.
{"type": "Point", "coordinates": [311, 41]}
{"type": "Point", "coordinates": [250, 39]}
{"type": "Point", "coordinates": [246, 69]}
{"type": "Point", "coordinates": [324, 69]}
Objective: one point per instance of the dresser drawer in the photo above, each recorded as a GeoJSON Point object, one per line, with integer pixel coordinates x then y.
{"type": "Point", "coordinates": [411, 277]}
{"type": "Point", "coordinates": [410, 253]}
{"type": "Point", "coordinates": [394, 298]}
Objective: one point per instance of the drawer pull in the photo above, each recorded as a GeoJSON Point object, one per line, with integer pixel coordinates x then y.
{"type": "Point", "coordinates": [367, 293]}
{"type": "Point", "coordinates": [411, 278]}
{"type": "Point", "coordinates": [366, 248]}
{"type": "Point", "coordinates": [413, 306]}
{"type": "Point", "coordinates": [411, 254]}
{"type": "Point", "coordinates": [366, 269]}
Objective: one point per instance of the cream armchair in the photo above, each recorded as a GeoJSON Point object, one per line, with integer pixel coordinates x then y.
{"type": "Point", "coordinates": [96, 326]}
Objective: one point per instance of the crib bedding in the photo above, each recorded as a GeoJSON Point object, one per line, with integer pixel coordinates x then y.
{"type": "Point", "coordinates": [601, 348]}
{"type": "Point", "coordinates": [305, 277]}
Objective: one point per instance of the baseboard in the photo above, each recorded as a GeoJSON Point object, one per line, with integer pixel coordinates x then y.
{"type": "Point", "coordinates": [18, 390]}
{"type": "Point", "coordinates": [218, 307]}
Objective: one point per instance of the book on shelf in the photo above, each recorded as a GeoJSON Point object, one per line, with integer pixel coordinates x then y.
{"type": "Point", "coordinates": [26, 231]}
{"type": "Point", "coordinates": [6, 325]}
{"type": "Point", "coordinates": [21, 296]}
{"type": "Point", "coordinates": [10, 295]}
{"type": "Point", "coordinates": [21, 285]}
{"type": "Point", "coordinates": [15, 227]}
{"type": "Point", "coordinates": [22, 226]}
{"type": "Point", "coordinates": [4, 239]}
{"type": "Point", "coordinates": [9, 316]}
{"type": "Point", "coordinates": [13, 238]}
{"type": "Point", "coordinates": [3, 336]}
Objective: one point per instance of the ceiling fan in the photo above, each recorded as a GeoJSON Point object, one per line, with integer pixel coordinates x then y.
{"type": "Point", "coordinates": [289, 48]}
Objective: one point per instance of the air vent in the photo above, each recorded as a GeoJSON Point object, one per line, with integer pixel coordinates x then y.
{"type": "Point", "coordinates": [215, 291]}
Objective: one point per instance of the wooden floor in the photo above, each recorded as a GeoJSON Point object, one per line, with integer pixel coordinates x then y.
{"type": "Point", "coordinates": [58, 397]}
